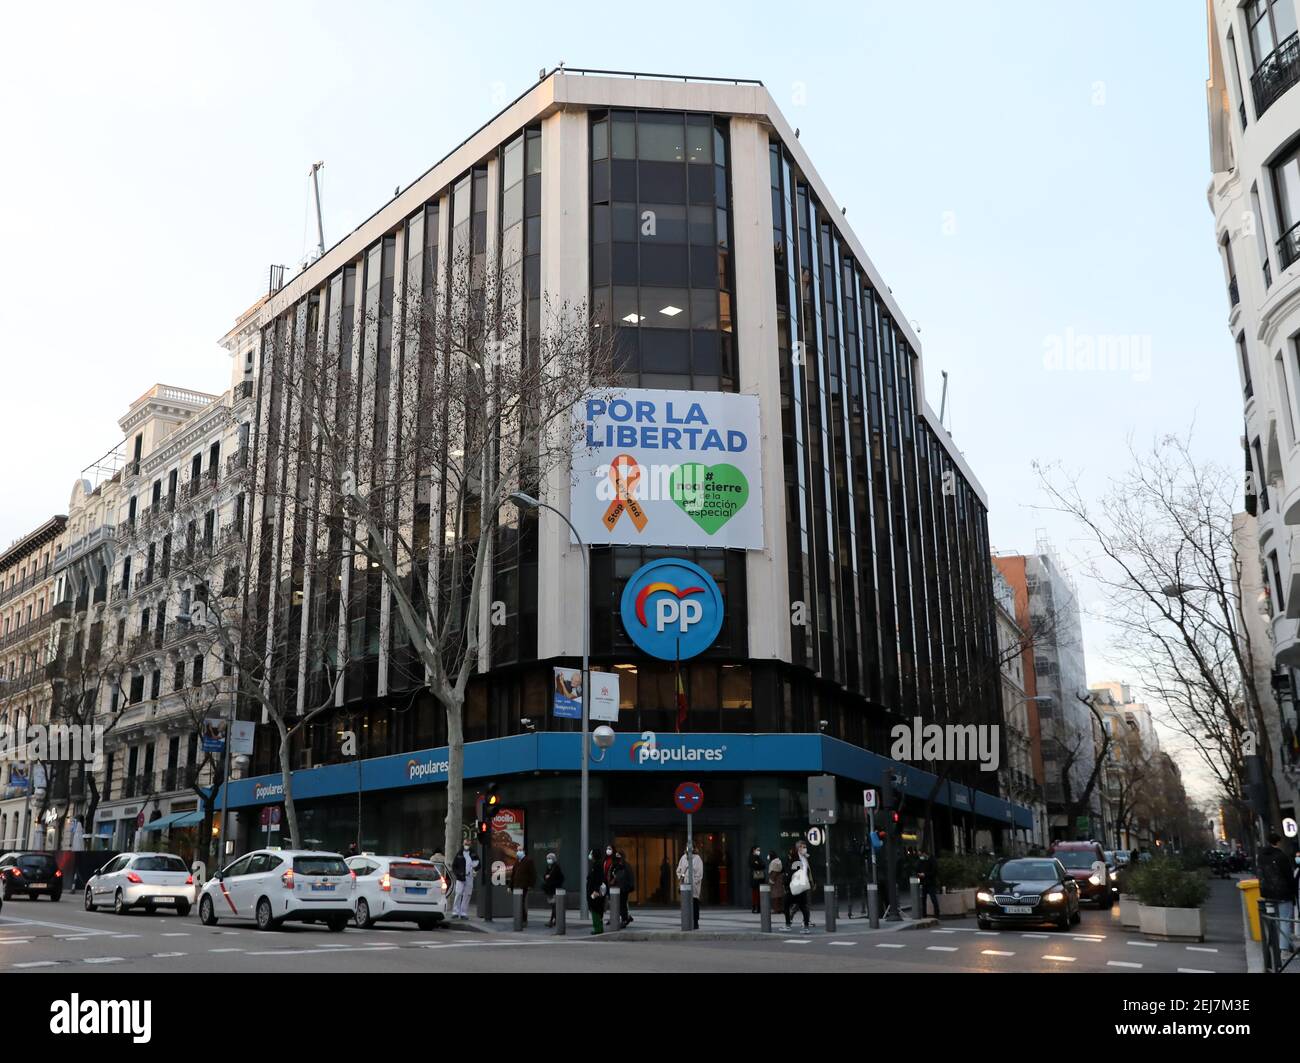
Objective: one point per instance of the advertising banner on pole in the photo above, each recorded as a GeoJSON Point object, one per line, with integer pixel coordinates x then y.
{"type": "Point", "coordinates": [214, 735]}
{"type": "Point", "coordinates": [604, 697]}
{"type": "Point", "coordinates": [508, 836]}
{"type": "Point", "coordinates": [668, 468]}
{"type": "Point", "coordinates": [566, 704]}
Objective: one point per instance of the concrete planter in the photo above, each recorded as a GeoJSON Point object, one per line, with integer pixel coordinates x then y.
{"type": "Point", "coordinates": [952, 905]}
{"type": "Point", "coordinates": [1173, 924]}
{"type": "Point", "coordinates": [1130, 909]}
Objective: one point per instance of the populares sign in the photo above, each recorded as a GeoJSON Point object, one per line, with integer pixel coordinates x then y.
{"type": "Point", "coordinates": [668, 468]}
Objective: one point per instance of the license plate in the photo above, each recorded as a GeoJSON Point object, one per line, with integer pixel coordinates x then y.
{"type": "Point", "coordinates": [421, 890]}
{"type": "Point", "coordinates": [1017, 909]}
{"type": "Point", "coordinates": [38, 885]}
{"type": "Point", "coordinates": [323, 887]}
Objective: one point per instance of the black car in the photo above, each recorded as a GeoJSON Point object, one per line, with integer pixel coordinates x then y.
{"type": "Point", "coordinates": [30, 875]}
{"type": "Point", "coordinates": [1028, 890]}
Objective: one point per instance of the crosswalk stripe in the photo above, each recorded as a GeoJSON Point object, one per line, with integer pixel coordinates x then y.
{"type": "Point", "coordinates": [1142, 944]}
{"type": "Point", "coordinates": [941, 948]}
{"type": "Point", "coordinates": [1062, 959]}
{"type": "Point", "coordinates": [37, 963]}
{"type": "Point", "coordinates": [1199, 948]}
{"type": "Point", "coordinates": [1193, 970]}
{"type": "Point", "coordinates": [1121, 963]}
{"type": "Point", "coordinates": [849, 943]}
{"type": "Point", "coordinates": [889, 945]}
{"type": "Point", "coordinates": [995, 952]}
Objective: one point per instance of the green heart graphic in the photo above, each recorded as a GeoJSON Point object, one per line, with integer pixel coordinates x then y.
{"type": "Point", "coordinates": [709, 494]}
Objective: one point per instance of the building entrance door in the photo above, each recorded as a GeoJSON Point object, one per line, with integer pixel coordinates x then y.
{"type": "Point", "coordinates": [654, 854]}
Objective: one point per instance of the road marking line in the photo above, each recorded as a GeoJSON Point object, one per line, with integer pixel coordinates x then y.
{"type": "Point", "coordinates": [323, 945]}
{"type": "Point", "coordinates": [103, 959]}
{"type": "Point", "coordinates": [165, 955]}
{"type": "Point", "coordinates": [37, 963]}
{"type": "Point", "coordinates": [225, 950]}
{"type": "Point", "coordinates": [941, 948]}
{"type": "Point", "coordinates": [1199, 948]}
{"type": "Point", "coordinates": [1086, 937]}
{"type": "Point", "coordinates": [15, 941]}
{"type": "Point", "coordinates": [943, 931]}
{"type": "Point", "coordinates": [1121, 963]}
{"type": "Point", "coordinates": [792, 941]}
{"type": "Point", "coordinates": [849, 943]}
{"type": "Point", "coordinates": [1193, 970]}
{"type": "Point", "coordinates": [1062, 959]}
{"type": "Point", "coordinates": [1142, 944]}
{"type": "Point", "coordinates": [1043, 936]}
{"type": "Point", "coordinates": [995, 952]}
{"type": "Point", "coordinates": [15, 921]}
{"type": "Point", "coordinates": [123, 937]}
{"type": "Point", "coordinates": [175, 935]}
{"type": "Point", "coordinates": [987, 934]}
{"type": "Point", "coordinates": [888, 945]}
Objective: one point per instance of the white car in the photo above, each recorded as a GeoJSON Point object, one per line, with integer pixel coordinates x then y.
{"type": "Point", "coordinates": [144, 880]}
{"type": "Point", "coordinates": [400, 889]}
{"type": "Point", "coordinates": [274, 886]}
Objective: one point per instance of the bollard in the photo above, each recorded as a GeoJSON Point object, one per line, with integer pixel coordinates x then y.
{"type": "Point", "coordinates": [561, 926]}
{"type": "Point", "coordinates": [614, 914]}
{"type": "Point", "coordinates": [915, 883]}
{"type": "Point", "coordinates": [688, 918]}
{"type": "Point", "coordinates": [873, 905]}
{"type": "Point", "coordinates": [765, 908]}
{"type": "Point", "coordinates": [1269, 937]}
{"type": "Point", "coordinates": [832, 905]}
{"type": "Point", "coordinates": [518, 902]}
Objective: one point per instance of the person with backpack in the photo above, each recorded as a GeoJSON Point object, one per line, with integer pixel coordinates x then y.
{"type": "Point", "coordinates": [1277, 885]}
{"type": "Point", "coordinates": [799, 885]}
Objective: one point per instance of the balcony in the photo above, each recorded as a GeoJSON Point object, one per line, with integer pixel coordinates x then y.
{"type": "Point", "coordinates": [1277, 73]}
{"type": "Point", "coordinates": [1288, 246]}
{"type": "Point", "coordinates": [231, 533]}
{"type": "Point", "coordinates": [137, 786]}
{"type": "Point", "coordinates": [26, 584]}
{"type": "Point", "coordinates": [243, 390]}
{"type": "Point", "coordinates": [125, 531]}
{"type": "Point", "coordinates": [237, 461]}
{"type": "Point", "coordinates": [1234, 296]}
{"type": "Point", "coordinates": [146, 578]}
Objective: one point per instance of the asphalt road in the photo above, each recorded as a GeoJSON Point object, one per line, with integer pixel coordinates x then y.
{"type": "Point", "coordinates": [39, 936]}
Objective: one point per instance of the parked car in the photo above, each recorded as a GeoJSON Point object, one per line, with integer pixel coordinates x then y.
{"type": "Point", "coordinates": [270, 887]}
{"type": "Point", "coordinates": [400, 889]}
{"type": "Point", "coordinates": [143, 880]}
{"type": "Point", "coordinates": [1031, 889]}
{"type": "Point", "coordinates": [1078, 858]}
{"type": "Point", "coordinates": [30, 875]}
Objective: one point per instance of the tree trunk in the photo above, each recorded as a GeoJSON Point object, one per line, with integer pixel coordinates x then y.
{"type": "Point", "coordinates": [455, 774]}
{"type": "Point", "coordinates": [286, 776]}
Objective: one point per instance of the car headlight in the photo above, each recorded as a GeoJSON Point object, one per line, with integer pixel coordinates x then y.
{"type": "Point", "coordinates": [985, 896]}
{"type": "Point", "coordinates": [1055, 897]}
{"type": "Point", "coordinates": [1114, 875]}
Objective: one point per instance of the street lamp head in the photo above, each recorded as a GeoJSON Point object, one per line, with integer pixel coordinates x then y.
{"type": "Point", "coordinates": [603, 736]}
{"type": "Point", "coordinates": [524, 501]}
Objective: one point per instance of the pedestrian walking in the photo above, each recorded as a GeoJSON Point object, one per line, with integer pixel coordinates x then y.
{"type": "Point", "coordinates": [625, 879]}
{"type": "Point", "coordinates": [1277, 884]}
{"type": "Point", "coordinates": [927, 870]}
{"type": "Point", "coordinates": [776, 876]}
{"type": "Point", "coordinates": [523, 876]}
{"type": "Point", "coordinates": [607, 867]}
{"type": "Point", "coordinates": [552, 880]}
{"type": "Point", "coordinates": [685, 872]}
{"type": "Point", "coordinates": [462, 870]}
{"type": "Point", "coordinates": [596, 892]}
{"type": "Point", "coordinates": [757, 876]}
{"type": "Point", "coordinates": [799, 885]}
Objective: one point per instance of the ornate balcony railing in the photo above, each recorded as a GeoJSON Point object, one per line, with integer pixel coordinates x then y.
{"type": "Point", "coordinates": [1288, 246]}
{"type": "Point", "coordinates": [1277, 73]}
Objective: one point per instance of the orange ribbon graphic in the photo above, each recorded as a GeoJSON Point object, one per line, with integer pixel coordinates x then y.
{"type": "Point", "coordinates": [625, 474]}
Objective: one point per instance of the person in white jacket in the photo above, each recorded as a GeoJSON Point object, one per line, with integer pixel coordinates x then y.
{"type": "Point", "coordinates": [685, 873]}
{"type": "Point", "coordinates": [462, 869]}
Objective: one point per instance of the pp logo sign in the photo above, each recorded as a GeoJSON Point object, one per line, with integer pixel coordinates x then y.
{"type": "Point", "coordinates": [672, 609]}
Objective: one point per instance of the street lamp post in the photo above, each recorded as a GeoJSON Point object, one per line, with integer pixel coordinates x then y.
{"type": "Point", "coordinates": [524, 501]}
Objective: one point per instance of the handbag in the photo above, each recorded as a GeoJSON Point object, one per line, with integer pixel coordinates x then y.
{"type": "Point", "coordinates": [799, 881]}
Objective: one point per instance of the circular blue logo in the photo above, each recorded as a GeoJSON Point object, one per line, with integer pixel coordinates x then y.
{"type": "Point", "coordinates": [672, 609]}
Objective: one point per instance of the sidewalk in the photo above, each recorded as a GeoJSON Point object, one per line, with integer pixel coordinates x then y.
{"type": "Point", "coordinates": [716, 924]}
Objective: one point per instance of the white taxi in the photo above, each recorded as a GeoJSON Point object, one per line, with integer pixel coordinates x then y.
{"type": "Point", "coordinates": [400, 889]}
{"type": "Point", "coordinates": [270, 887]}
{"type": "Point", "coordinates": [144, 880]}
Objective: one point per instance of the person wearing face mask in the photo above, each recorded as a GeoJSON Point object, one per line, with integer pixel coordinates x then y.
{"type": "Point", "coordinates": [607, 867]}
{"type": "Point", "coordinates": [523, 876]}
{"type": "Point", "coordinates": [757, 876]}
{"type": "Point", "coordinates": [596, 892]}
{"type": "Point", "coordinates": [622, 876]}
{"type": "Point", "coordinates": [552, 880]}
{"type": "Point", "coordinates": [799, 886]}
{"type": "Point", "coordinates": [688, 871]}
{"type": "Point", "coordinates": [462, 869]}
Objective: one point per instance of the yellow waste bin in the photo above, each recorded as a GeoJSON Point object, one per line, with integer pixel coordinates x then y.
{"type": "Point", "coordinates": [1250, 898]}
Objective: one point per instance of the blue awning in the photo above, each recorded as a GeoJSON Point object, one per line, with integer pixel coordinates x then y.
{"type": "Point", "coordinates": [176, 819]}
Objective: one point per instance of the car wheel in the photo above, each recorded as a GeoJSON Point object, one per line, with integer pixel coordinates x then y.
{"type": "Point", "coordinates": [207, 916]}
{"type": "Point", "coordinates": [363, 915]}
{"type": "Point", "coordinates": [1076, 918]}
{"type": "Point", "coordinates": [265, 920]}
{"type": "Point", "coordinates": [56, 897]}
{"type": "Point", "coordinates": [337, 924]}
{"type": "Point", "coordinates": [427, 923]}
{"type": "Point", "coordinates": [983, 924]}
{"type": "Point", "coordinates": [90, 900]}
{"type": "Point", "coordinates": [182, 908]}
{"type": "Point", "coordinates": [119, 905]}
{"type": "Point", "coordinates": [1064, 922]}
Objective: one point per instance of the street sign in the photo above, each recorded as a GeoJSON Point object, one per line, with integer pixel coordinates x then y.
{"type": "Point", "coordinates": [689, 797]}
{"type": "Point", "coordinates": [814, 836]}
{"type": "Point", "coordinates": [139, 820]}
{"type": "Point", "coordinates": [870, 799]}
{"type": "Point", "coordinates": [1289, 827]}
{"type": "Point", "coordinates": [821, 799]}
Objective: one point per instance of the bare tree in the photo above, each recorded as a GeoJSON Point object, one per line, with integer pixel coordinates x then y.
{"type": "Point", "coordinates": [389, 467]}
{"type": "Point", "coordinates": [1165, 556]}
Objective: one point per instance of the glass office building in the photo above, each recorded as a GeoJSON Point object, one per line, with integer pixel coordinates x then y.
{"type": "Point", "coordinates": [688, 216]}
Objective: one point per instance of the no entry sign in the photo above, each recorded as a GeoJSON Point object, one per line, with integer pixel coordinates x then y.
{"type": "Point", "coordinates": [689, 797]}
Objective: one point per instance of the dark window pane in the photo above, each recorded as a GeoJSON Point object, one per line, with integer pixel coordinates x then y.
{"type": "Point", "coordinates": [600, 140]}
{"type": "Point", "coordinates": [701, 225]}
{"type": "Point", "coordinates": [625, 221]}
{"type": "Point", "coordinates": [666, 381]}
{"type": "Point", "coordinates": [661, 138]}
{"type": "Point", "coordinates": [600, 225]}
{"type": "Point", "coordinates": [705, 352]}
{"type": "Point", "coordinates": [664, 308]}
{"type": "Point", "coordinates": [701, 184]}
{"type": "Point", "coordinates": [699, 138]}
{"type": "Point", "coordinates": [662, 182]}
{"type": "Point", "coordinates": [663, 265]}
{"type": "Point", "coordinates": [623, 135]}
{"type": "Point", "coordinates": [600, 182]}
{"type": "Point", "coordinates": [626, 346]}
{"type": "Point", "coordinates": [623, 266]}
{"type": "Point", "coordinates": [623, 180]}
{"type": "Point", "coordinates": [704, 267]}
{"type": "Point", "coordinates": [665, 351]}
{"type": "Point", "coordinates": [533, 194]}
{"type": "Point", "coordinates": [625, 306]}
{"type": "Point", "coordinates": [600, 264]}
{"type": "Point", "coordinates": [704, 308]}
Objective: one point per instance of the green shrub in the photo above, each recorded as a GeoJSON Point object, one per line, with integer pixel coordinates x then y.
{"type": "Point", "coordinates": [963, 871]}
{"type": "Point", "coordinates": [1165, 884]}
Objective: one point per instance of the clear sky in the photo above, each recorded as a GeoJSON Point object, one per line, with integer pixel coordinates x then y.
{"type": "Point", "coordinates": [1024, 177]}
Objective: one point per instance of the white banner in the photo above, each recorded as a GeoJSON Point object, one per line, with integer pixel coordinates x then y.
{"type": "Point", "coordinates": [669, 468]}
{"type": "Point", "coordinates": [604, 697]}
